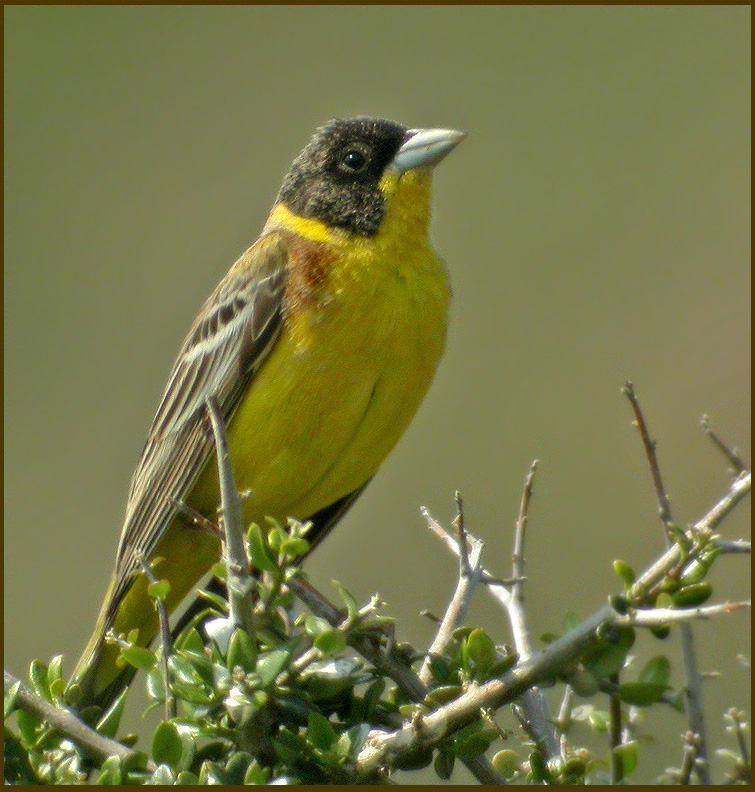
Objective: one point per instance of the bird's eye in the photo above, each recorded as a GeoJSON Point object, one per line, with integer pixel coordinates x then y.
{"type": "Point", "coordinates": [353, 161]}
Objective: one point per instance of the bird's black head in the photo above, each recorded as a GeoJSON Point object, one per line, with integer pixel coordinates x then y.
{"type": "Point", "coordinates": [336, 177]}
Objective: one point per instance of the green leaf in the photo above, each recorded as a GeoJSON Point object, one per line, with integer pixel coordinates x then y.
{"type": "Point", "coordinates": [55, 669]}
{"type": "Point", "coordinates": [357, 736]}
{"type": "Point", "coordinates": [38, 679]}
{"type": "Point", "coordinates": [272, 663]}
{"type": "Point", "coordinates": [441, 669]}
{"type": "Point", "coordinates": [442, 695]}
{"type": "Point", "coordinates": [624, 571]}
{"type": "Point", "coordinates": [167, 747]}
{"type": "Point", "coordinates": [661, 631]}
{"type": "Point", "coordinates": [236, 767]}
{"type": "Point", "coordinates": [693, 595]}
{"type": "Point", "coordinates": [478, 654]}
{"type": "Point", "coordinates": [108, 724]}
{"type": "Point", "coordinates": [599, 720]}
{"type": "Point", "coordinates": [330, 641]}
{"type": "Point", "coordinates": [11, 696]}
{"type": "Point", "coordinates": [695, 572]}
{"type": "Point", "coordinates": [163, 776]}
{"type": "Point", "coordinates": [539, 767]}
{"type": "Point", "coordinates": [295, 548]}
{"type": "Point", "coordinates": [191, 641]}
{"type": "Point", "coordinates": [320, 732]}
{"type": "Point", "coordinates": [241, 651]}
{"type": "Point", "coordinates": [256, 774]}
{"type": "Point", "coordinates": [641, 694]}
{"type": "Point", "coordinates": [609, 655]}
{"type": "Point", "coordinates": [473, 745]}
{"type": "Point", "coordinates": [159, 590]}
{"type": "Point", "coordinates": [27, 726]}
{"type": "Point", "coordinates": [58, 690]}
{"type": "Point", "coordinates": [444, 764]}
{"type": "Point", "coordinates": [583, 683]}
{"type": "Point", "coordinates": [110, 772]}
{"type": "Point", "coordinates": [139, 657]}
{"type": "Point", "coordinates": [500, 667]}
{"type": "Point", "coordinates": [156, 684]}
{"type": "Point", "coordinates": [628, 755]}
{"type": "Point", "coordinates": [314, 625]}
{"type": "Point", "coordinates": [183, 670]}
{"type": "Point", "coordinates": [574, 769]}
{"type": "Point", "coordinates": [186, 778]}
{"type": "Point", "coordinates": [657, 671]}
{"type": "Point", "coordinates": [191, 693]}
{"type": "Point", "coordinates": [275, 538]}
{"type": "Point", "coordinates": [261, 558]}
{"type": "Point", "coordinates": [506, 762]}
{"type": "Point", "coordinates": [348, 600]}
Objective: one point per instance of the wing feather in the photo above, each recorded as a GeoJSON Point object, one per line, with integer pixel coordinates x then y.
{"type": "Point", "coordinates": [228, 342]}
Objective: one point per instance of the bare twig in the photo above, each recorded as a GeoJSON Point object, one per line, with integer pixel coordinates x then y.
{"type": "Point", "coordinates": [532, 709]}
{"type": "Point", "coordinates": [733, 546]}
{"type": "Point", "coordinates": [655, 617]}
{"type": "Point", "coordinates": [617, 760]}
{"type": "Point", "coordinates": [689, 758]}
{"type": "Point", "coordinates": [517, 559]}
{"type": "Point", "coordinates": [730, 453]}
{"type": "Point", "coordinates": [470, 571]}
{"type": "Point", "coordinates": [565, 719]}
{"type": "Point", "coordinates": [67, 723]}
{"type": "Point", "coordinates": [738, 726]}
{"type": "Point", "coordinates": [664, 506]}
{"type": "Point", "coordinates": [239, 582]}
{"type": "Point", "coordinates": [162, 615]}
{"type": "Point", "coordinates": [691, 672]}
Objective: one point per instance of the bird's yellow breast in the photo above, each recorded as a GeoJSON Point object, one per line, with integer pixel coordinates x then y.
{"type": "Point", "coordinates": [348, 370]}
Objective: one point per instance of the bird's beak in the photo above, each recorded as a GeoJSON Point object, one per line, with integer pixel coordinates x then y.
{"type": "Point", "coordinates": [425, 148]}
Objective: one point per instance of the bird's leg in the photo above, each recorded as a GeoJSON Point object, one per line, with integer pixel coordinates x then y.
{"type": "Point", "coordinates": [197, 520]}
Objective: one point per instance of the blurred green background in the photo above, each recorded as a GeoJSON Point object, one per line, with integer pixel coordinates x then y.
{"type": "Point", "coordinates": [596, 224]}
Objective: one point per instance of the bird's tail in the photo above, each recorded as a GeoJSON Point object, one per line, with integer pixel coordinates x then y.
{"type": "Point", "coordinates": [97, 674]}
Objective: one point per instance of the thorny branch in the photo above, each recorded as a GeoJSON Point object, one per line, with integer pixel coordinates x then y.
{"type": "Point", "coordinates": [381, 747]}
{"type": "Point", "coordinates": [239, 582]}
{"type": "Point", "coordinates": [386, 662]}
{"type": "Point", "coordinates": [165, 639]}
{"type": "Point", "coordinates": [470, 574]}
{"type": "Point", "coordinates": [67, 723]}
{"type": "Point", "coordinates": [691, 671]}
{"type": "Point", "coordinates": [532, 709]}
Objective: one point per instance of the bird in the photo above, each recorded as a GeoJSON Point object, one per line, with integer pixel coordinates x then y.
{"type": "Point", "coordinates": [317, 346]}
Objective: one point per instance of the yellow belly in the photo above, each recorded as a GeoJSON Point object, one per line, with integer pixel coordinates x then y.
{"type": "Point", "coordinates": [330, 402]}
{"type": "Point", "coordinates": [338, 390]}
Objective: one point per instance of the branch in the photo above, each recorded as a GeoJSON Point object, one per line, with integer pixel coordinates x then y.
{"type": "Point", "coordinates": [387, 663]}
{"type": "Point", "coordinates": [470, 574]}
{"type": "Point", "coordinates": [655, 617]}
{"type": "Point", "coordinates": [162, 614]}
{"type": "Point", "coordinates": [691, 671]}
{"type": "Point", "coordinates": [731, 455]}
{"type": "Point", "coordinates": [239, 582]}
{"type": "Point", "coordinates": [733, 546]}
{"type": "Point", "coordinates": [532, 711]}
{"type": "Point", "coordinates": [67, 724]}
{"type": "Point", "coordinates": [427, 731]}
{"type": "Point", "coordinates": [664, 507]}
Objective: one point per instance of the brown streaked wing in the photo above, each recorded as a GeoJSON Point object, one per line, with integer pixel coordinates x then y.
{"type": "Point", "coordinates": [230, 338]}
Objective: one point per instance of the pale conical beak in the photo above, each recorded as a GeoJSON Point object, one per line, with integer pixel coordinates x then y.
{"type": "Point", "coordinates": [425, 148]}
